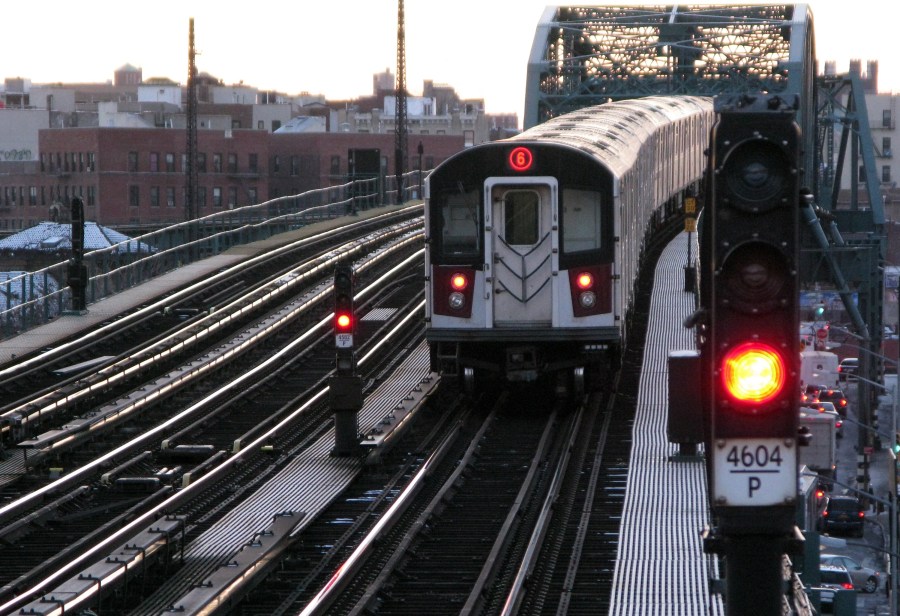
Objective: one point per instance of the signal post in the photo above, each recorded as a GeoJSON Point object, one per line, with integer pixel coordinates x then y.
{"type": "Point", "coordinates": [345, 387]}
{"type": "Point", "coordinates": [750, 356]}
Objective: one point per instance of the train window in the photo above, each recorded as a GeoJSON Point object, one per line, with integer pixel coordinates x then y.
{"type": "Point", "coordinates": [521, 227]}
{"type": "Point", "coordinates": [580, 220]}
{"type": "Point", "coordinates": [460, 224]}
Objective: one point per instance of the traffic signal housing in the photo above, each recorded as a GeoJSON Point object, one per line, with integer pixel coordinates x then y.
{"type": "Point", "coordinates": [754, 319]}
{"type": "Point", "coordinates": [752, 356]}
{"type": "Point", "coordinates": [344, 319]}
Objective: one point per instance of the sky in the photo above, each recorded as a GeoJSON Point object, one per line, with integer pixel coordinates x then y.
{"type": "Point", "coordinates": [479, 47]}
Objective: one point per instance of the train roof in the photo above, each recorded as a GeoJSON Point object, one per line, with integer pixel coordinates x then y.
{"type": "Point", "coordinates": [614, 131]}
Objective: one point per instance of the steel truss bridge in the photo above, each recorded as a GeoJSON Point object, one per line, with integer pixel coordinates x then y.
{"type": "Point", "coordinates": [585, 56]}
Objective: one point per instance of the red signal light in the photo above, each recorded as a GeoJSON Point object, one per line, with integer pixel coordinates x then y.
{"type": "Point", "coordinates": [520, 159]}
{"type": "Point", "coordinates": [343, 322]}
{"type": "Point", "coordinates": [753, 373]}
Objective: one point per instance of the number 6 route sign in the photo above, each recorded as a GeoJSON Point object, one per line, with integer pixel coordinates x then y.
{"type": "Point", "coordinates": [754, 472]}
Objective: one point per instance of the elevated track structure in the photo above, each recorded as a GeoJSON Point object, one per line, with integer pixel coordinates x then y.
{"type": "Point", "coordinates": [588, 55]}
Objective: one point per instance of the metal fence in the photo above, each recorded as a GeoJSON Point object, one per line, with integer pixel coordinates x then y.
{"type": "Point", "coordinates": [37, 297]}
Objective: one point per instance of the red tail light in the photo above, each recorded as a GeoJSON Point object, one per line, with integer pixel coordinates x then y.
{"type": "Point", "coordinates": [847, 585]}
{"type": "Point", "coordinates": [584, 280]}
{"type": "Point", "coordinates": [459, 282]}
{"type": "Point", "coordinates": [862, 514]}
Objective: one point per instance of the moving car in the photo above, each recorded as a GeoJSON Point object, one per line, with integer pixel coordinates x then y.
{"type": "Point", "coordinates": [843, 514]}
{"type": "Point", "coordinates": [848, 369]}
{"type": "Point", "coordinates": [864, 578]}
{"type": "Point", "coordinates": [835, 396]}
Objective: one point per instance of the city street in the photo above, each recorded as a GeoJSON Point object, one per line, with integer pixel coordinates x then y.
{"type": "Point", "coordinates": [871, 550]}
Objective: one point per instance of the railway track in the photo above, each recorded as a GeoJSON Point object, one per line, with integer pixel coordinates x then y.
{"type": "Point", "coordinates": [51, 528]}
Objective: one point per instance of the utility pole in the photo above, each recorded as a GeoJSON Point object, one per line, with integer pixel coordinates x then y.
{"type": "Point", "coordinates": [191, 171]}
{"type": "Point", "coordinates": [400, 145]}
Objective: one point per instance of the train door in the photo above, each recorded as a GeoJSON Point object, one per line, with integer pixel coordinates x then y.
{"type": "Point", "coordinates": [522, 244]}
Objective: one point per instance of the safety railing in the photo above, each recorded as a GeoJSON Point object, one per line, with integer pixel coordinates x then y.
{"type": "Point", "coordinates": [34, 298]}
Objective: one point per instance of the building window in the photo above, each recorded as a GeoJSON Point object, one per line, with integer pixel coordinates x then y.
{"type": "Point", "coordinates": [32, 195]}
{"type": "Point", "coordinates": [170, 162]}
{"type": "Point", "coordinates": [217, 196]}
{"type": "Point", "coordinates": [217, 163]}
{"type": "Point", "coordinates": [261, 125]}
{"type": "Point", "coordinates": [886, 146]}
{"type": "Point", "coordinates": [132, 162]}
{"type": "Point", "coordinates": [134, 196]}
{"type": "Point", "coordinates": [92, 195]}
{"type": "Point", "coordinates": [253, 163]}
{"type": "Point", "coordinates": [335, 165]}
{"type": "Point", "coordinates": [170, 196]}
{"type": "Point", "coordinates": [252, 195]}
{"type": "Point", "coordinates": [232, 162]}
{"type": "Point", "coordinates": [81, 161]}
{"type": "Point", "coordinates": [201, 196]}
{"type": "Point", "coordinates": [232, 197]}
{"type": "Point", "coordinates": [295, 165]}
{"type": "Point", "coordinates": [201, 162]}
{"type": "Point", "coordinates": [886, 118]}
{"type": "Point", "coordinates": [886, 174]}
{"type": "Point", "coordinates": [154, 196]}
{"type": "Point", "coordinates": [154, 162]}
{"type": "Point", "coordinates": [276, 164]}
{"type": "Point", "coordinates": [43, 163]}
{"type": "Point", "coordinates": [91, 161]}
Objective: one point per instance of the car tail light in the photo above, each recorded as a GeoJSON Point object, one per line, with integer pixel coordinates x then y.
{"type": "Point", "coordinates": [862, 514]}
{"type": "Point", "coordinates": [847, 585]}
{"type": "Point", "coordinates": [842, 402]}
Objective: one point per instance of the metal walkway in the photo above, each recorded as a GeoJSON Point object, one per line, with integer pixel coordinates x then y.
{"type": "Point", "coordinates": [661, 569]}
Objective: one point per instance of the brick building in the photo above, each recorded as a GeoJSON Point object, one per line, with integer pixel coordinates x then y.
{"type": "Point", "coordinates": [135, 177]}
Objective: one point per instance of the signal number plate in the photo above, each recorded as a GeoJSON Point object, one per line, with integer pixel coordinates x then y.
{"type": "Point", "coordinates": [754, 472]}
{"type": "Point", "coordinates": [343, 341]}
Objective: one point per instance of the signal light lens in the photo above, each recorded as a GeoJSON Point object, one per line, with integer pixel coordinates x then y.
{"type": "Point", "coordinates": [343, 321]}
{"type": "Point", "coordinates": [459, 282]}
{"type": "Point", "coordinates": [753, 373]}
{"type": "Point", "coordinates": [584, 280]}
{"type": "Point", "coordinates": [756, 173]}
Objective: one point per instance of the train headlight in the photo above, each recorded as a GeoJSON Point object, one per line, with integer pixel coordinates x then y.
{"type": "Point", "coordinates": [456, 300]}
{"type": "Point", "coordinates": [587, 299]}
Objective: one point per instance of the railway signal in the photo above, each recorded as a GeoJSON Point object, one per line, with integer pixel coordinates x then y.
{"type": "Point", "coordinates": [344, 320]}
{"type": "Point", "coordinates": [345, 387]}
{"type": "Point", "coordinates": [754, 305]}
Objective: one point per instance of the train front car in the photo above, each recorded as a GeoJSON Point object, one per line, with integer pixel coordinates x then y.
{"type": "Point", "coordinates": [524, 259]}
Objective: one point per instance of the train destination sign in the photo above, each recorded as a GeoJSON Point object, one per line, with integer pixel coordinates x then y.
{"type": "Point", "coordinates": [754, 472]}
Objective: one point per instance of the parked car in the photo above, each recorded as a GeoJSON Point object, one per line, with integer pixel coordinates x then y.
{"type": "Point", "coordinates": [864, 578]}
{"type": "Point", "coordinates": [836, 397]}
{"type": "Point", "coordinates": [848, 368]}
{"type": "Point", "coordinates": [843, 514]}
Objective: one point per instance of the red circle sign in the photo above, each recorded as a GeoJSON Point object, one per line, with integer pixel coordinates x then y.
{"type": "Point", "coordinates": [821, 334]}
{"type": "Point", "coordinates": [520, 159]}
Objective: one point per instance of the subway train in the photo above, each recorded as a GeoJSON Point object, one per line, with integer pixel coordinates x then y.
{"type": "Point", "coordinates": [534, 243]}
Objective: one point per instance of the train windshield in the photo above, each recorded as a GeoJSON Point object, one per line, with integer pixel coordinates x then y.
{"type": "Point", "coordinates": [460, 223]}
{"type": "Point", "coordinates": [581, 217]}
{"type": "Point", "coordinates": [522, 221]}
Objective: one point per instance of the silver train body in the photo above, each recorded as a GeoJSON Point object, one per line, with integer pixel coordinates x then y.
{"type": "Point", "coordinates": [534, 242]}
